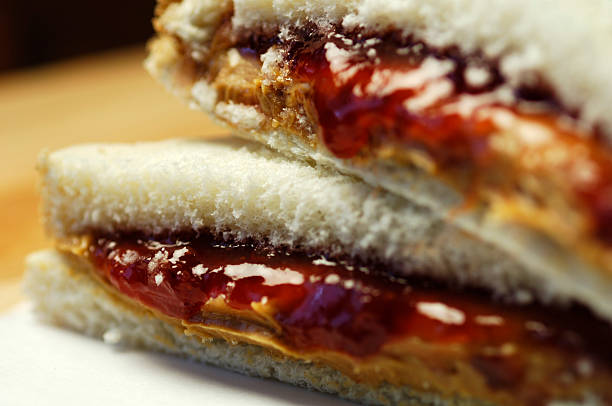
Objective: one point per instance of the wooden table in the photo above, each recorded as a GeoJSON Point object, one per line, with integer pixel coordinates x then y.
{"type": "Point", "coordinates": [106, 97]}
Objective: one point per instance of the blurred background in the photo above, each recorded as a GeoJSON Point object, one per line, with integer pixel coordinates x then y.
{"type": "Point", "coordinates": [37, 31]}
{"type": "Point", "coordinates": [71, 72]}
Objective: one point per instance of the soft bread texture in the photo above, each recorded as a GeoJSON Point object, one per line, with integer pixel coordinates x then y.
{"type": "Point", "coordinates": [243, 190]}
{"type": "Point", "coordinates": [64, 293]}
{"type": "Point", "coordinates": [566, 42]}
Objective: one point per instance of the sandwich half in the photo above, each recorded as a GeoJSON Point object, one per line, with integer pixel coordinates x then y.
{"type": "Point", "coordinates": [494, 115]}
{"type": "Point", "coordinates": [230, 253]}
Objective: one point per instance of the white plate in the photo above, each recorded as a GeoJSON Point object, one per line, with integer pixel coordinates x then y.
{"type": "Point", "coordinates": [45, 365]}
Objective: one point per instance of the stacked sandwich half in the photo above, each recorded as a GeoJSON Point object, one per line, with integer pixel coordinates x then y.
{"type": "Point", "coordinates": [418, 209]}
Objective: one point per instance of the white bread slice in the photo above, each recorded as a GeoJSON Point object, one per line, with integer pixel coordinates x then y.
{"type": "Point", "coordinates": [64, 293]}
{"type": "Point", "coordinates": [565, 42]}
{"type": "Point", "coordinates": [244, 190]}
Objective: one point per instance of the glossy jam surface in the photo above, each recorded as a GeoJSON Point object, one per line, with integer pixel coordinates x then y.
{"type": "Point", "coordinates": [372, 97]}
{"type": "Point", "coordinates": [320, 304]}
{"type": "Point", "coordinates": [362, 99]}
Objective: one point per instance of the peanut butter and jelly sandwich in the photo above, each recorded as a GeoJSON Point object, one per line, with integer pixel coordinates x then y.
{"type": "Point", "coordinates": [230, 253]}
{"type": "Point", "coordinates": [417, 208]}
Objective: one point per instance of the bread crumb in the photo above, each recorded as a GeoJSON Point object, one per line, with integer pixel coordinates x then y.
{"type": "Point", "coordinates": [323, 261]}
{"type": "Point", "coordinates": [159, 258]}
{"type": "Point", "coordinates": [477, 76]}
{"type": "Point", "coordinates": [159, 278]}
{"type": "Point", "coordinates": [199, 270]}
{"type": "Point", "coordinates": [128, 257]}
{"type": "Point", "coordinates": [234, 57]}
{"type": "Point", "coordinates": [177, 255]}
{"type": "Point", "coordinates": [112, 336]}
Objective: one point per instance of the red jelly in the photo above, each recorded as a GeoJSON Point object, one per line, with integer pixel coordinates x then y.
{"type": "Point", "coordinates": [326, 305]}
{"type": "Point", "coordinates": [351, 117]}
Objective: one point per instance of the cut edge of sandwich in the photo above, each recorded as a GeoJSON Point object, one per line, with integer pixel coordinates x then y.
{"type": "Point", "coordinates": [241, 191]}
{"type": "Point", "coordinates": [194, 185]}
{"type": "Point", "coordinates": [64, 293]}
{"type": "Point", "coordinates": [519, 34]}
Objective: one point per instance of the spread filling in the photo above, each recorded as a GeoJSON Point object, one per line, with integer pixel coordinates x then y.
{"type": "Point", "coordinates": [370, 325]}
{"type": "Point", "coordinates": [459, 120]}
{"type": "Point", "coordinates": [385, 97]}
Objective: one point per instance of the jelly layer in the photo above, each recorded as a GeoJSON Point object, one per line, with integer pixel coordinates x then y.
{"type": "Point", "coordinates": [423, 100]}
{"type": "Point", "coordinates": [321, 303]}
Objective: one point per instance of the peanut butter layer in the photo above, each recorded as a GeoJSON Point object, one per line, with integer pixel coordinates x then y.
{"type": "Point", "coordinates": [369, 326]}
